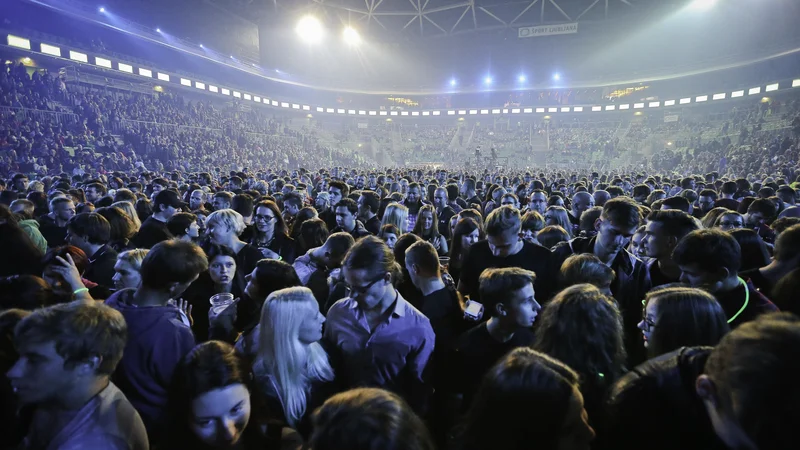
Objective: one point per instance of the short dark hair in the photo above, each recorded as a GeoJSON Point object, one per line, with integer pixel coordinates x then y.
{"type": "Point", "coordinates": [622, 211]}
{"type": "Point", "coordinates": [424, 255]}
{"type": "Point", "coordinates": [497, 284]}
{"type": "Point", "coordinates": [178, 223]}
{"type": "Point", "coordinates": [348, 203]}
{"type": "Point", "coordinates": [371, 200]}
{"type": "Point", "coordinates": [293, 198]}
{"type": "Point", "coordinates": [711, 249]}
{"type": "Point", "coordinates": [243, 204]}
{"type": "Point", "coordinates": [99, 187]}
{"type": "Point", "coordinates": [641, 190]}
{"type": "Point", "coordinates": [338, 244]}
{"type": "Point", "coordinates": [589, 217]}
{"type": "Point", "coordinates": [764, 206]}
{"type": "Point", "coordinates": [343, 187]}
{"type": "Point", "coordinates": [91, 226]}
{"type": "Point", "coordinates": [787, 245]}
{"type": "Point", "coordinates": [677, 202]}
{"type": "Point", "coordinates": [372, 254]}
{"type": "Point", "coordinates": [224, 195]}
{"type": "Point", "coordinates": [674, 222]}
{"type": "Point", "coordinates": [729, 188]}
{"type": "Point", "coordinates": [709, 193]}
{"type": "Point", "coordinates": [172, 262]}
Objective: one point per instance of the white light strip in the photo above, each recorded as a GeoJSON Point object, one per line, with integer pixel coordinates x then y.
{"type": "Point", "coordinates": [393, 113]}
{"type": "Point", "coordinates": [701, 98]}
{"type": "Point", "coordinates": [527, 110]}
{"type": "Point", "coordinates": [426, 113]}
{"type": "Point", "coordinates": [473, 111]}
{"type": "Point", "coordinates": [654, 104]}
{"type": "Point", "coordinates": [329, 110]}
{"type": "Point", "coordinates": [772, 87]}
{"type": "Point", "coordinates": [484, 111]}
{"type": "Point", "coordinates": [199, 85]}
{"type": "Point", "coordinates": [185, 82]}
{"type": "Point", "coordinates": [737, 94]}
{"type": "Point", "coordinates": [719, 97]}
{"type": "Point", "coordinates": [340, 111]}
{"type": "Point", "coordinates": [505, 111]}
{"type": "Point", "coordinates": [461, 112]}
{"type": "Point", "coordinates": [669, 103]}
{"type": "Point", "coordinates": [403, 113]}
{"type": "Point", "coordinates": [213, 88]}
{"type": "Point", "coordinates": [565, 109]}
{"type": "Point", "coordinates": [257, 99]}
{"type": "Point", "coordinates": [685, 101]}
{"type": "Point", "coordinates": [226, 91]}
{"type": "Point", "coordinates": [796, 83]}
{"type": "Point", "coordinates": [306, 108]}
{"type": "Point", "coordinates": [625, 106]}
{"type": "Point", "coordinates": [125, 68]}
{"type": "Point", "coordinates": [275, 103]}
{"type": "Point", "coordinates": [295, 106]}
{"type": "Point", "coordinates": [638, 105]}
{"type": "Point", "coordinates": [451, 113]}
{"type": "Point", "coordinates": [145, 73]}
{"type": "Point", "coordinates": [102, 62]}
{"type": "Point", "coordinates": [578, 109]}
{"type": "Point", "coordinates": [415, 113]}
{"type": "Point", "coordinates": [515, 111]}
{"type": "Point", "coordinates": [373, 113]}
{"type": "Point", "coordinates": [597, 108]}
{"type": "Point", "coordinates": [237, 94]}
{"type": "Point", "coordinates": [78, 56]}
{"type": "Point", "coordinates": [384, 113]}
{"type": "Point", "coordinates": [495, 111]}
{"type": "Point", "coordinates": [16, 41]}
{"type": "Point", "coordinates": [320, 109]}
{"type": "Point", "coordinates": [351, 111]}
{"type": "Point", "coordinates": [436, 113]}
{"type": "Point", "coordinates": [754, 91]}
{"type": "Point", "coordinates": [539, 110]}
{"type": "Point", "coordinates": [50, 50]}
{"type": "Point", "coordinates": [248, 97]}
{"type": "Point", "coordinates": [165, 77]}
{"type": "Point", "coordinates": [610, 107]}
{"type": "Point", "coordinates": [552, 109]}
{"type": "Point", "coordinates": [284, 105]}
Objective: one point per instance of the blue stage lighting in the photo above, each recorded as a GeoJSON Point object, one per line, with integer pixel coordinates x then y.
{"type": "Point", "coordinates": [201, 46]}
{"type": "Point", "coordinates": [522, 78]}
{"type": "Point", "coordinates": [487, 80]}
{"type": "Point", "coordinates": [556, 76]}
{"type": "Point", "coordinates": [158, 30]}
{"type": "Point", "coordinates": [453, 82]}
{"type": "Point", "coordinates": [102, 10]}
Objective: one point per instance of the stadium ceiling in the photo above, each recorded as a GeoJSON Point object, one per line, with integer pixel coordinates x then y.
{"type": "Point", "coordinates": [430, 18]}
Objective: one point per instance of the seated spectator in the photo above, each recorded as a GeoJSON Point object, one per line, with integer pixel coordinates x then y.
{"type": "Point", "coordinates": [586, 269]}
{"type": "Point", "coordinates": [522, 378]}
{"type": "Point", "coordinates": [509, 300]}
{"type": "Point", "coordinates": [183, 226]}
{"type": "Point", "coordinates": [154, 228]}
{"type": "Point", "coordinates": [745, 414]}
{"type": "Point", "coordinates": [367, 419]}
{"type": "Point", "coordinates": [596, 352]}
{"type": "Point", "coordinates": [710, 259]}
{"type": "Point", "coordinates": [292, 373]}
{"type": "Point", "coordinates": [210, 403]}
{"type": "Point", "coordinates": [67, 354]}
{"type": "Point", "coordinates": [675, 317]}
{"type": "Point", "coordinates": [127, 268]}
{"type": "Point", "coordinates": [157, 334]}
{"type": "Point", "coordinates": [91, 233]}
{"type": "Point", "coordinates": [552, 235]}
{"type": "Point", "coordinates": [401, 338]}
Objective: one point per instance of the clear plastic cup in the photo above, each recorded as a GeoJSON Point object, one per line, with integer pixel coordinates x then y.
{"type": "Point", "coordinates": [444, 262]}
{"type": "Point", "coordinates": [220, 302]}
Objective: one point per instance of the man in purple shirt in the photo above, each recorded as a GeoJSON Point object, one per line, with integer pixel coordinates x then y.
{"type": "Point", "coordinates": [379, 339]}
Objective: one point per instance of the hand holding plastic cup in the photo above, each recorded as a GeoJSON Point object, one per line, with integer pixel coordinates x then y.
{"type": "Point", "coordinates": [444, 262]}
{"type": "Point", "coordinates": [221, 302]}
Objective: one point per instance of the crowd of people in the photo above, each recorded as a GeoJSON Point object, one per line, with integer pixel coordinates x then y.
{"type": "Point", "coordinates": [202, 282]}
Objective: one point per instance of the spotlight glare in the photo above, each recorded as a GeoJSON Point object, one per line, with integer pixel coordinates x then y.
{"type": "Point", "coordinates": [351, 36]}
{"type": "Point", "coordinates": [522, 79]}
{"type": "Point", "coordinates": [102, 10]}
{"type": "Point", "coordinates": [453, 82]}
{"type": "Point", "coordinates": [158, 30]}
{"type": "Point", "coordinates": [201, 46]}
{"type": "Point", "coordinates": [310, 29]}
{"type": "Point", "coordinates": [487, 80]}
{"type": "Point", "coordinates": [557, 76]}
{"type": "Point", "coordinates": [702, 5]}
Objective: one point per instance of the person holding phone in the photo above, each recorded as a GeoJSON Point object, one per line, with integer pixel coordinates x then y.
{"type": "Point", "coordinates": [508, 296]}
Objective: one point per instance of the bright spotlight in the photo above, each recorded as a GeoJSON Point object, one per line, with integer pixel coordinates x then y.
{"type": "Point", "coordinates": [453, 82]}
{"type": "Point", "coordinates": [158, 30]}
{"type": "Point", "coordinates": [201, 46]}
{"type": "Point", "coordinates": [351, 36]}
{"type": "Point", "coordinates": [487, 80]}
{"type": "Point", "coordinates": [702, 5]}
{"type": "Point", "coordinates": [522, 79]}
{"type": "Point", "coordinates": [102, 10]}
{"type": "Point", "coordinates": [310, 29]}
{"type": "Point", "coordinates": [557, 76]}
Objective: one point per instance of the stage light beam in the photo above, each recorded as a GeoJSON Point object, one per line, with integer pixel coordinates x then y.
{"type": "Point", "coordinates": [310, 29]}
{"type": "Point", "coordinates": [556, 76]}
{"type": "Point", "coordinates": [522, 78]}
{"type": "Point", "coordinates": [102, 10]}
{"type": "Point", "coordinates": [488, 80]}
{"type": "Point", "coordinates": [453, 82]}
{"type": "Point", "coordinates": [351, 36]}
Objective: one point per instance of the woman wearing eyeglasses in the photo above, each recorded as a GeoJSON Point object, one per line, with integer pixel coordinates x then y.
{"type": "Point", "coordinates": [270, 233]}
{"type": "Point", "coordinates": [676, 317]}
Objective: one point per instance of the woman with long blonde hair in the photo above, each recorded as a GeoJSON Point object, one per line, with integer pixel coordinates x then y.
{"type": "Point", "coordinates": [130, 211]}
{"type": "Point", "coordinates": [397, 215]}
{"type": "Point", "coordinates": [292, 370]}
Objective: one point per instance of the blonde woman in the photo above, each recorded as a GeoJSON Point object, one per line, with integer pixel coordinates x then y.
{"type": "Point", "coordinates": [397, 215]}
{"type": "Point", "coordinates": [130, 210]}
{"type": "Point", "coordinates": [292, 370]}
{"type": "Point", "coordinates": [126, 270]}
{"type": "Point", "coordinates": [224, 227]}
{"type": "Point", "coordinates": [557, 215]}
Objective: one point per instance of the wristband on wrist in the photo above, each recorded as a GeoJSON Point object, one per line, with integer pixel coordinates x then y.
{"type": "Point", "coordinates": [81, 290]}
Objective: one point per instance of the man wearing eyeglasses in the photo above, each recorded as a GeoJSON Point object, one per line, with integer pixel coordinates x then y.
{"type": "Point", "coordinates": [377, 338]}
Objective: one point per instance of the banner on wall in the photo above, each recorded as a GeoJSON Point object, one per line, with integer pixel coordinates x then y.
{"type": "Point", "coordinates": [548, 30]}
{"type": "Point", "coordinates": [671, 118]}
